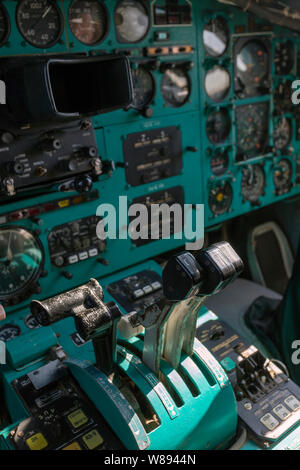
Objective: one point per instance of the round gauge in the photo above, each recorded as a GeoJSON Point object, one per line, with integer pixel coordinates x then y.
{"type": "Point", "coordinates": [252, 69]}
{"type": "Point", "coordinates": [282, 134]}
{"type": "Point", "coordinates": [175, 87]}
{"type": "Point", "coordinates": [283, 98]}
{"type": "Point", "coordinates": [216, 36]}
{"type": "Point", "coordinates": [219, 163]}
{"type": "Point", "coordinates": [284, 57]}
{"type": "Point", "coordinates": [220, 199]}
{"type": "Point", "coordinates": [4, 25]}
{"type": "Point", "coordinates": [253, 183]}
{"type": "Point", "coordinates": [217, 83]}
{"type": "Point", "coordinates": [40, 23]}
{"type": "Point", "coordinates": [252, 130]}
{"type": "Point", "coordinates": [9, 332]}
{"type": "Point", "coordinates": [143, 88]}
{"type": "Point", "coordinates": [282, 176]}
{"type": "Point", "coordinates": [131, 20]}
{"type": "Point", "coordinates": [88, 21]}
{"type": "Point", "coordinates": [31, 322]}
{"type": "Point", "coordinates": [21, 262]}
{"type": "Point", "coordinates": [218, 126]}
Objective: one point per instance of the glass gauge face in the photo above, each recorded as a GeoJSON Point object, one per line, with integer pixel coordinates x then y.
{"type": "Point", "coordinates": [4, 25]}
{"type": "Point", "coordinates": [282, 176]}
{"type": "Point", "coordinates": [253, 183]}
{"type": "Point", "coordinates": [21, 260]}
{"type": "Point", "coordinates": [220, 199]}
{"type": "Point", "coordinates": [9, 332]}
{"type": "Point", "coordinates": [219, 163]}
{"type": "Point", "coordinates": [131, 20]}
{"type": "Point", "coordinates": [252, 69]}
{"type": "Point", "coordinates": [284, 57]}
{"type": "Point", "coordinates": [218, 126]}
{"type": "Point", "coordinates": [217, 83]}
{"type": "Point", "coordinates": [216, 37]}
{"type": "Point", "coordinates": [252, 130]}
{"type": "Point", "coordinates": [282, 134]}
{"type": "Point", "coordinates": [143, 88]}
{"type": "Point", "coordinates": [283, 98]}
{"type": "Point", "coordinates": [40, 23]}
{"type": "Point", "coordinates": [88, 21]}
{"type": "Point", "coordinates": [31, 322]}
{"type": "Point", "coordinates": [175, 87]}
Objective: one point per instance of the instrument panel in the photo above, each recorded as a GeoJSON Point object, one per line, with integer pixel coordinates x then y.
{"type": "Point", "coordinates": [211, 121]}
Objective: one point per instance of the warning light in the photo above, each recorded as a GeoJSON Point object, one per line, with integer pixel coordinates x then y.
{"type": "Point", "coordinates": [64, 203]}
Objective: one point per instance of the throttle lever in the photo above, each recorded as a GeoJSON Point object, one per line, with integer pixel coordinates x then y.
{"type": "Point", "coordinates": [94, 319]}
{"type": "Point", "coordinates": [188, 280]}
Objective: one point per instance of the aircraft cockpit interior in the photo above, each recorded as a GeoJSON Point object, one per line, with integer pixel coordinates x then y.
{"type": "Point", "coordinates": [149, 225]}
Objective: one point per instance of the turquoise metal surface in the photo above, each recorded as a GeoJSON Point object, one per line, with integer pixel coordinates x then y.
{"type": "Point", "coordinates": [196, 179]}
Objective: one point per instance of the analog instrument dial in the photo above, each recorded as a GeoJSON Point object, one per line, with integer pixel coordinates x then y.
{"type": "Point", "coordinates": [216, 36]}
{"type": "Point", "coordinates": [219, 163]}
{"type": "Point", "coordinates": [252, 130]}
{"type": "Point", "coordinates": [253, 183]}
{"type": "Point", "coordinates": [21, 262]}
{"type": "Point", "coordinates": [175, 87]}
{"type": "Point", "coordinates": [252, 69]}
{"type": "Point", "coordinates": [9, 332]}
{"type": "Point", "coordinates": [218, 126]}
{"type": "Point", "coordinates": [143, 88]}
{"type": "Point", "coordinates": [282, 177]}
{"type": "Point", "coordinates": [284, 57]}
{"type": "Point", "coordinates": [217, 83]}
{"type": "Point", "coordinates": [282, 134]}
{"type": "Point", "coordinates": [131, 21]}
{"type": "Point", "coordinates": [220, 199]}
{"type": "Point", "coordinates": [40, 23]}
{"type": "Point", "coordinates": [283, 98]}
{"type": "Point", "coordinates": [88, 21]}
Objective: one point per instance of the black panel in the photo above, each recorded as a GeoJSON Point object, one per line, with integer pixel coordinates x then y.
{"type": "Point", "coordinates": [153, 155]}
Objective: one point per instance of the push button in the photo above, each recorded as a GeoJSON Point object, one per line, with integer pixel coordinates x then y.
{"type": "Point", "coordinates": [281, 411]}
{"type": "Point", "coordinates": [292, 402]}
{"type": "Point", "coordinates": [78, 418]}
{"type": "Point", "coordinates": [269, 421]}
{"type": "Point", "coordinates": [73, 446]}
{"type": "Point", "coordinates": [37, 442]}
{"type": "Point", "coordinates": [93, 440]}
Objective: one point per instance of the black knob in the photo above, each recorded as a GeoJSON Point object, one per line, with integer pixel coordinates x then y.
{"type": "Point", "coordinates": [87, 152]}
{"type": "Point", "coordinates": [67, 275]}
{"type": "Point", "coordinates": [16, 168]}
{"type": "Point", "coordinates": [48, 145]}
{"type": "Point", "coordinates": [147, 112]}
{"type": "Point", "coordinates": [103, 261]}
{"type": "Point", "coordinates": [7, 138]}
{"type": "Point", "coordinates": [83, 184]}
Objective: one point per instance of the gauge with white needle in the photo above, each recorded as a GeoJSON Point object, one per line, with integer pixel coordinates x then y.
{"type": "Point", "coordinates": [40, 23]}
{"type": "Point", "coordinates": [21, 262]}
{"type": "Point", "coordinates": [175, 87]}
{"type": "Point", "coordinates": [88, 21]}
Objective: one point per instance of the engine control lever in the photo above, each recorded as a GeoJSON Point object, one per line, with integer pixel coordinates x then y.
{"type": "Point", "coordinates": [187, 280]}
{"type": "Point", "coordinates": [94, 319]}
